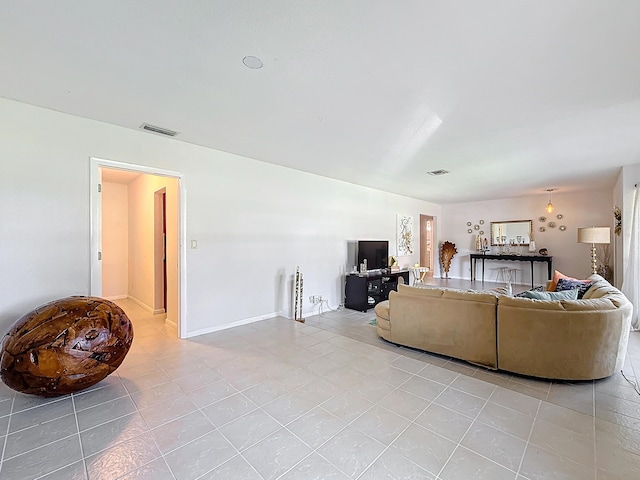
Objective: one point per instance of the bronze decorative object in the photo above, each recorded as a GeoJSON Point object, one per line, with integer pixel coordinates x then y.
{"type": "Point", "coordinates": [447, 253]}
{"type": "Point", "coordinates": [65, 346]}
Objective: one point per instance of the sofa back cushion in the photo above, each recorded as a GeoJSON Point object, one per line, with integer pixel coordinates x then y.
{"type": "Point", "coordinates": [530, 303]}
{"type": "Point", "coordinates": [449, 293]}
{"type": "Point", "coordinates": [420, 292]}
{"type": "Point", "coordinates": [600, 288]}
{"type": "Point", "coordinates": [559, 306]}
{"type": "Point", "coordinates": [457, 323]}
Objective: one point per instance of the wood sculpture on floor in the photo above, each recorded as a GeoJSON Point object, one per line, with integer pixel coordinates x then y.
{"type": "Point", "coordinates": [65, 346]}
{"type": "Point", "coordinates": [447, 253]}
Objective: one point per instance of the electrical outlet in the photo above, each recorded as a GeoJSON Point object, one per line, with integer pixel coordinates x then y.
{"type": "Point", "coordinates": [315, 298]}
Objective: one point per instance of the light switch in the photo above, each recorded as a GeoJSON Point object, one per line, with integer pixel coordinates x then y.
{"type": "Point", "coordinates": [194, 244]}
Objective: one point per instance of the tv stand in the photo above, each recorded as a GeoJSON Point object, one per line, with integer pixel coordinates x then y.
{"type": "Point", "coordinates": [364, 290]}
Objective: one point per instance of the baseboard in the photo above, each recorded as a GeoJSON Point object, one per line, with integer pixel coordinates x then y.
{"type": "Point", "coordinates": [156, 311]}
{"type": "Point", "coordinates": [170, 323]}
{"type": "Point", "coordinates": [217, 328]}
{"type": "Point", "coordinates": [116, 297]}
{"type": "Point", "coordinates": [316, 311]}
{"type": "Point", "coordinates": [140, 303]}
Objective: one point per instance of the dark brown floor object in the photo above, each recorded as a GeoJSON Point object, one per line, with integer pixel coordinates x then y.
{"type": "Point", "coordinates": [65, 346]}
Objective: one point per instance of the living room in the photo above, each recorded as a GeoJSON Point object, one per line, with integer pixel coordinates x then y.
{"type": "Point", "coordinates": [268, 217]}
{"type": "Point", "coordinates": [299, 219]}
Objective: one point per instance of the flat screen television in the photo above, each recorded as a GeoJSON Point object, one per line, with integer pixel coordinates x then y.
{"type": "Point", "coordinates": [376, 252]}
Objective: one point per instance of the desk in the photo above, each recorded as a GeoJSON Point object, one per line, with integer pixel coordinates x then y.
{"type": "Point", "coordinates": [517, 258]}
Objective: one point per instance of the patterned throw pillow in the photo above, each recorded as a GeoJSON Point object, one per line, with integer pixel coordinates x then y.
{"type": "Point", "coordinates": [524, 294]}
{"type": "Point", "coordinates": [566, 284]}
{"type": "Point", "coordinates": [557, 276]}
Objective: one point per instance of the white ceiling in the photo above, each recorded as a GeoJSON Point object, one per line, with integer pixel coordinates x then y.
{"type": "Point", "coordinates": [512, 97]}
{"type": "Point", "coordinates": [119, 176]}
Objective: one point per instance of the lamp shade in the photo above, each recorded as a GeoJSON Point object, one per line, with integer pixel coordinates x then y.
{"type": "Point", "coordinates": [594, 235]}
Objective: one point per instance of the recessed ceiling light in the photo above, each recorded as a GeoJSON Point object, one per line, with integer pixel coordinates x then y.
{"type": "Point", "coordinates": [438, 172]}
{"type": "Point", "coordinates": [252, 62]}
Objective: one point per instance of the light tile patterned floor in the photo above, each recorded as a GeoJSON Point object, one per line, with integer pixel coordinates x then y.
{"type": "Point", "coordinates": [326, 399]}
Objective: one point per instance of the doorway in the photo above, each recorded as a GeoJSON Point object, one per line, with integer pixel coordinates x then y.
{"type": "Point", "coordinates": [155, 253]}
{"type": "Point", "coordinates": [427, 235]}
{"type": "Point", "coordinates": [160, 249]}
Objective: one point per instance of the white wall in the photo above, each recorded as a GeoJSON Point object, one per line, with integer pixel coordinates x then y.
{"type": "Point", "coordinates": [583, 209]}
{"type": "Point", "coordinates": [254, 222]}
{"type": "Point", "coordinates": [115, 240]}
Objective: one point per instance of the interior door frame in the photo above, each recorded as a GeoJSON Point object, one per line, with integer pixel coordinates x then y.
{"type": "Point", "coordinates": [95, 197]}
{"type": "Point", "coordinates": [423, 238]}
{"type": "Point", "coordinates": [160, 249]}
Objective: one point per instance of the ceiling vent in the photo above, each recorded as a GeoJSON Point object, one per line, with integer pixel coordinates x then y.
{"type": "Point", "coordinates": [435, 173]}
{"type": "Point", "coordinates": [160, 130]}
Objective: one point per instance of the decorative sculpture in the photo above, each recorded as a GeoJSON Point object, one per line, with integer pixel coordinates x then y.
{"type": "Point", "coordinates": [65, 346]}
{"type": "Point", "coordinates": [447, 253]}
{"type": "Point", "coordinates": [297, 307]}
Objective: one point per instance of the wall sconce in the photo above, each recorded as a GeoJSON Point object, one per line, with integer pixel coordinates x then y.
{"type": "Point", "coordinates": [549, 208]}
{"type": "Point", "coordinates": [594, 235]}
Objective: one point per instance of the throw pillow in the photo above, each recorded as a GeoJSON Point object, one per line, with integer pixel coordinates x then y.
{"type": "Point", "coordinates": [578, 285]}
{"type": "Point", "coordinates": [534, 289]}
{"type": "Point", "coordinates": [563, 295]}
{"type": "Point", "coordinates": [557, 276]}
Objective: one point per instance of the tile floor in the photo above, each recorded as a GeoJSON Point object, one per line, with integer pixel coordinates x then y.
{"type": "Point", "coordinates": [326, 399]}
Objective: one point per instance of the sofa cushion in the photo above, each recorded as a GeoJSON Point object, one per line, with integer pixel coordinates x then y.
{"type": "Point", "coordinates": [557, 276]}
{"type": "Point", "coordinates": [383, 324]}
{"type": "Point", "coordinates": [595, 304]}
{"type": "Point", "coordinates": [562, 295]}
{"type": "Point", "coordinates": [580, 286]}
{"type": "Point", "coordinates": [529, 303]}
{"type": "Point", "coordinates": [382, 310]}
{"type": "Point", "coordinates": [457, 323]}
{"type": "Point", "coordinates": [470, 296]}
{"type": "Point", "coordinates": [420, 292]}
{"type": "Point", "coordinates": [601, 288]}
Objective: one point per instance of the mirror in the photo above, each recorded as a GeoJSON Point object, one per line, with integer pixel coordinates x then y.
{"type": "Point", "coordinates": [504, 233]}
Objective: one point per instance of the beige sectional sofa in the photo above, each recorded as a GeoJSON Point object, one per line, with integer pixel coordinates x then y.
{"type": "Point", "coordinates": [557, 339]}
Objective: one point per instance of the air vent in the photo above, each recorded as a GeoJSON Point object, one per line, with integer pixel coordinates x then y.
{"type": "Point", "coordinates": [438, 172]}
{"type": "Point", "coordinates": [160, 130]}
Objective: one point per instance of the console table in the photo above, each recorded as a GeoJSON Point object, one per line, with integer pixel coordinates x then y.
{"type": "Point", "coordinates": [517, 258]}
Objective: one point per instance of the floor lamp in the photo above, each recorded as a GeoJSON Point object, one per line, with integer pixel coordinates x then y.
{"type": "Point", "coordinates": [594, 235]}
